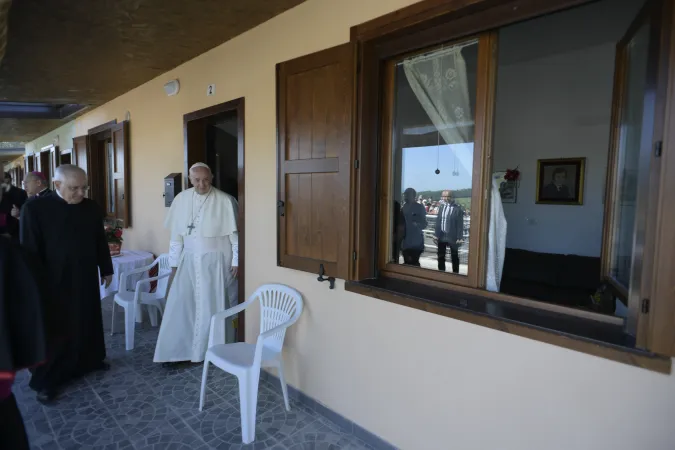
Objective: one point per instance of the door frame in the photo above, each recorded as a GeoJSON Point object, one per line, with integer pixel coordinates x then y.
{"type": "Point", "coordinates": [237, 106]}
{"type": "Point", "coordinates": [52, 151]}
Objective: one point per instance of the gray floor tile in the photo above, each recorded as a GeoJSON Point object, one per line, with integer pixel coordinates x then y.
{"type": "Point", "coordinates": [139, 405]}
{"type": "Point", "coordinates": [319, 436]}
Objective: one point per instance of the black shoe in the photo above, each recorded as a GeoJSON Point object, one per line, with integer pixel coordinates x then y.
{"type": "Point", "coordinates": [46, 396]}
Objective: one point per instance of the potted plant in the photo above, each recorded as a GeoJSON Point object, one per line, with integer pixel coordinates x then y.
{"type": "Point", "coordinates": [113, 234]}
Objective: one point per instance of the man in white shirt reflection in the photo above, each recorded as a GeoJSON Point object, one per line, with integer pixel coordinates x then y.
{"type": "Point", "coordinates": [449, 230]}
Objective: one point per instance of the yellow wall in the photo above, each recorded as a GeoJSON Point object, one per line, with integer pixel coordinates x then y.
{"type": "Point", "coordinates": [418, 380]}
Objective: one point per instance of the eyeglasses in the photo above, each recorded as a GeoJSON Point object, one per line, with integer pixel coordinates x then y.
{"type": "Point", "coordinates": [74, 189]}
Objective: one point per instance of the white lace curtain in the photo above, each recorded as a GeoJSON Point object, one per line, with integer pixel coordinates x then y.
{"type": "Point", "coordinates": [439, 81]}
{"type": "Point", "coordinates": [496, 240]}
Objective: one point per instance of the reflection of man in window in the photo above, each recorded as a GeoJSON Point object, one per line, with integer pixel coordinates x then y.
{"type": "Point", "coordinates": [557, 188]}
{"type": "Point", "coordinates": [449, 230]}
{"type": "Point", "coordinates": [415, 218]}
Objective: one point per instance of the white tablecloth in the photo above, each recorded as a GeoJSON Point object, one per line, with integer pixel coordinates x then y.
{"type": "Point", "coordinates": [128, 260]}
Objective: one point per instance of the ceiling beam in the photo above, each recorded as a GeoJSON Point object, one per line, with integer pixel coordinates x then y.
{"type": "Point", "coordinates": [4, 14]}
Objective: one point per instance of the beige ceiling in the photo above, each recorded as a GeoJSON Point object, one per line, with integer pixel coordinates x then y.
{"type": "Point", "coordinates": [91, 51]}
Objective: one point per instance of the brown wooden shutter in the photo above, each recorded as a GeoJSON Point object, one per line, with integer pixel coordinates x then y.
{"type": "Point", "coordinates": [120, 145]}
{"type": "Point", "coordinates": [55, 159]}
{"type": "Point", "coordinates": [314, 147]}
{"type": "Point", "coordinates": [80, 153]}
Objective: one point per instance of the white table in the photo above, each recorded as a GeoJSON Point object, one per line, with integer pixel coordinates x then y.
{"type": "Point", "coordinates": [126, 261]}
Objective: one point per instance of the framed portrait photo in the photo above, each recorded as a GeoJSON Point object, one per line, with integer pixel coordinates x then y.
{"type": "Point", "coordinates": [561, 181]}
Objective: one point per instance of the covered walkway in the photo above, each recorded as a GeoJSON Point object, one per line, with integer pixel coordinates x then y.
{"type": "Point", "coordinates": [138, 405]}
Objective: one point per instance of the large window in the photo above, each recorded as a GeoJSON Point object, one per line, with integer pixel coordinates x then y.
{"type": "Point", "coordinates": [489, 167]}
{"type": "Point", "coordinates": [536, 237]}
{"type": "Point", "coordinates": [432, 163]}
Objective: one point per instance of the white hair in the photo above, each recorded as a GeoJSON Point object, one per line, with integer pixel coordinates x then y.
{"type": "Point", "coordinates": [65, 171]}
{"type": "Point", "coordinates": [200, 165]}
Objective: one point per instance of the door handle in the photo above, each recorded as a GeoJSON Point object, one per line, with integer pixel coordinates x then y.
{"type": "Point", "coordinates": [281, 206]}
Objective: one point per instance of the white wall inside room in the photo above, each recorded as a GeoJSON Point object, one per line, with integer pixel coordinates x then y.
{"type": "Point", "coordinates": [557, 104]}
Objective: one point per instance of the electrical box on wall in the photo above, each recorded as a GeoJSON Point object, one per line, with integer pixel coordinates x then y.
{"type": "Point", "coordinates": [172, 187]}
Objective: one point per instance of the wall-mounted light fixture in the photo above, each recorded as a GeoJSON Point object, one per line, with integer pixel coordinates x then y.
{"type": "Point", "coordinates": [172, 87]}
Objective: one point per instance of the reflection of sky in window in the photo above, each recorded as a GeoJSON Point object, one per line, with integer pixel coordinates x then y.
{"type": "Point", "coordinates": [419, 165]}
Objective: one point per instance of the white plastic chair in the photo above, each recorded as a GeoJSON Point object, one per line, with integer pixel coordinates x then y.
{"type": "Point", "coordinates": [130, 299]}
{"type": "Point", "coordinates": [280, 307]}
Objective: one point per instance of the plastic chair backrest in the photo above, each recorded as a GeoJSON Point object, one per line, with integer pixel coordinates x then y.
{"type": "Point", "coordinates": [278, 304]}
{"type": "Point", "coordinates": [164, 267]}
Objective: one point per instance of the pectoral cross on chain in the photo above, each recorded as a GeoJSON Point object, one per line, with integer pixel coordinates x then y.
{"type": "Point", "coordinates": [191, 227]}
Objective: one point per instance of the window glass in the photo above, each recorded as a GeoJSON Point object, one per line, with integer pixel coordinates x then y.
{"type": "Point", "coordinates": [630, 136]}
{"type": "Point", "coordinates": [432, 158]}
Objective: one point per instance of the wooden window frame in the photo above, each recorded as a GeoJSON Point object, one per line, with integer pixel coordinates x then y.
{"type": "Point", "coordinates": [424, 25]}
{"type": "Point", "coordinates": [642, 266]}
{"type": "Point", "coordinates": [482, 139]}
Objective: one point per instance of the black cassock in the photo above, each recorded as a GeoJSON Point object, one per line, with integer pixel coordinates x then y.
{"type": "Point", "coordinates": [22, 335]}
{"type": "Point", "coordinates": [14, 197]}
{"type": "Point", "coordinates": [70, 242]}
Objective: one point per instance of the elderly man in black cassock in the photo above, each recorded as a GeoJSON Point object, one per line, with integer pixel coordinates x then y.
{"type": "Point", "coordinates": [65, 231]}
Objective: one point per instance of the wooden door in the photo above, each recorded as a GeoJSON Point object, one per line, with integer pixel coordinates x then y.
{"type": "Point", "coordinates": [315, 95]}
{"type": "Point", "coordinates": [54, 160]}
{"type": "Point", "coordinates": [196, 143]}
{"type": "Point", "coordinates": [46, 166]}
{"type": "Point", "coordinates": [30, 166]}
{"type": "Point", "coordinates": [80, 153]}
{"type": "Point", "coordinates": [117, 165]}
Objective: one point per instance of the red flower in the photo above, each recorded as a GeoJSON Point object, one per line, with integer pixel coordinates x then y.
{"type": "Point", "coordinates": [118, 233]}
{"type": "Point", "coordinates": [512, 174]}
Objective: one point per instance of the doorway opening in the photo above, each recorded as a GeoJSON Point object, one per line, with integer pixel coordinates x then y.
{"type": "Point", "coordinates": [215, 136]}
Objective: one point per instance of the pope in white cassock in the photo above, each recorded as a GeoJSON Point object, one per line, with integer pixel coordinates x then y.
{"type": "Point", "coordinates": [204, 256]}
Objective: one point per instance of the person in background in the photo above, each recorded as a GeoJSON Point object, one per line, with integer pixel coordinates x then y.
{"type": "Point", "coordinates": [415, 217]}
{"type": "Point", "coordinates": [35, 184]}
{"type": "Point", "coordinates": [11, 198]}
{"type": "Point", "coordinates": [22, 335]}
{"type": "Point", "coordinates": [449, 230]}
{"type": "Point", "coordinates": [65, 232]}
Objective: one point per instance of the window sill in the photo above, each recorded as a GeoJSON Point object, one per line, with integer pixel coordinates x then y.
{"type": "Point", "coordinates": [575, 333]}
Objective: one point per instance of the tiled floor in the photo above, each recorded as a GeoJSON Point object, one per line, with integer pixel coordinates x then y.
{"type": "Point", "coordinates": [138, 405]}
